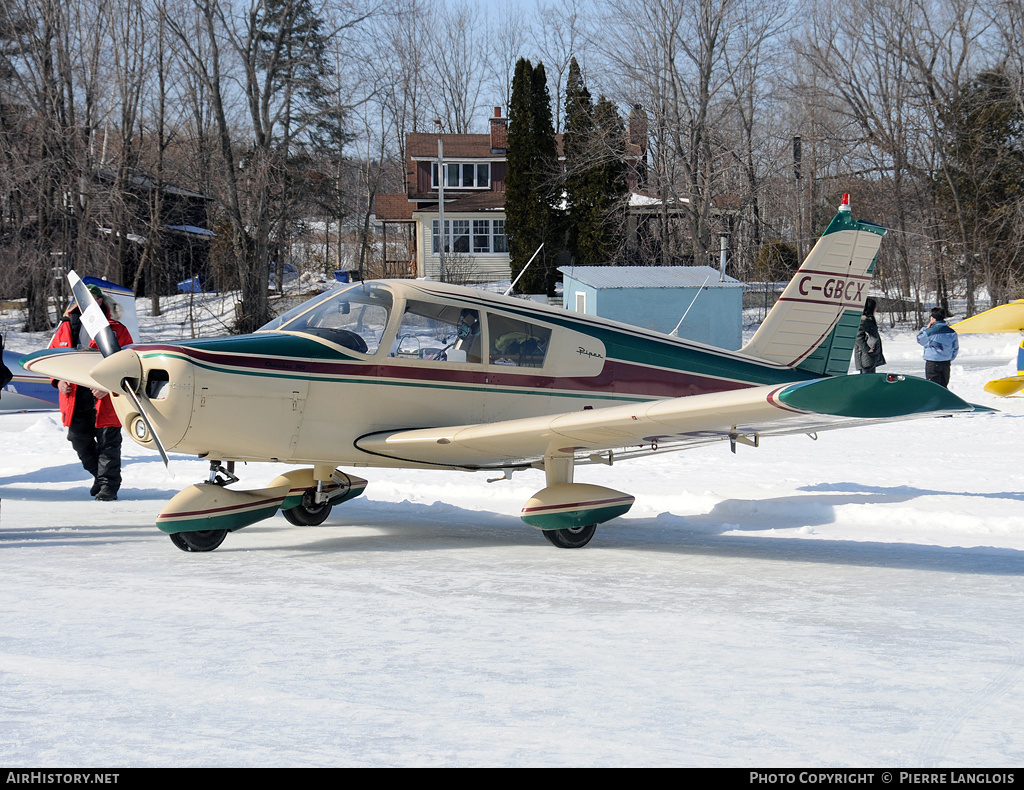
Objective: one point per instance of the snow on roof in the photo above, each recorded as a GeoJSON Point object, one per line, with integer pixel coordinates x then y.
{"type": "Point", "coordinates": [192, 229]}
{"type": "Point", "coordinates": [639, 200]}
{"type": "Point", "coordinates": [649, 276]}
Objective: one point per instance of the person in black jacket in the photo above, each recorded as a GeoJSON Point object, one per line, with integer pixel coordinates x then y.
{"type": "Point", "coordinates": [5, 372]}
{"type": "Point", "coordinates": [868, 348]}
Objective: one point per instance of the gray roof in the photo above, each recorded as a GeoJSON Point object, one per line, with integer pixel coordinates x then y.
{"type": "Point", "coordinates": [649, 276]}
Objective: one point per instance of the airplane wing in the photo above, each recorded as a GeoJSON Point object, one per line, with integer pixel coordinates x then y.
{"type": "Point", "coordinates": [66, 364]}
{"type": "Point", "coordinates": [1004, 318]}
{"type": "Point", "coordinates": [674, 423]}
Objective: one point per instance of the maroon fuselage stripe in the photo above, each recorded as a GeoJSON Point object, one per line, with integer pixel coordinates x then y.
{"type": "Point", "coordinates": [617, 377]}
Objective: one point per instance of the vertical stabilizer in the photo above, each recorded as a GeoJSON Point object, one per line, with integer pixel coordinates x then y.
{"type": "Point", "coordinates": [814, 324]}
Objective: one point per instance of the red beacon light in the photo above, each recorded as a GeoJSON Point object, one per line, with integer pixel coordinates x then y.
{"type": "Point", "coordinates": [845, 205]}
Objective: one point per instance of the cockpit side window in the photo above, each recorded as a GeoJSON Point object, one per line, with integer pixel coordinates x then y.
{"type": "Point", "coordinates": [354, 318]}
{"type": "Point", "coordinates": [438, 332]}
{"type": "Point", "coordinates": [517, 343]}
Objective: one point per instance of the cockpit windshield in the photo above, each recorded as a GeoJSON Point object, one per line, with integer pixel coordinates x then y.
{"type": "Point", "coordinates": [354, 317]}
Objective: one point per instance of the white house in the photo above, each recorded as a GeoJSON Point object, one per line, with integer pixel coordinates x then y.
{"type": "Point", "coordinates": [473, 172]}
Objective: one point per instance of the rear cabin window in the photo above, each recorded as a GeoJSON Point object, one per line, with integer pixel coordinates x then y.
{"type": "Point", "coordinates": [517, 343]}
{"type": "Point", "coordinates": [438, 332]}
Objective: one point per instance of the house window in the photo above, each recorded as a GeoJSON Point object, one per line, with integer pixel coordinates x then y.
{"type": "Point", "coordinates": [460, 235]}
{"type": "Point", "coordinates": [463, 175]}
{"type": "Point", "coordinates": [500, 240]}
{"type": "Point", "coordinates": [456, 236]}
{"type": "Point", "coordinates": [488, 236]}
{"type": "Point", "coordinates": [481, 235]}
{"type": "Point", "coordinates": [581, 302]}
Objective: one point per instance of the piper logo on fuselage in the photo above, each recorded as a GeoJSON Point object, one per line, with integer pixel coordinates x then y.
{"type": "Point", "coordinates": [587, 353]}
{"type": "Point", "coordinates": [832, 289]}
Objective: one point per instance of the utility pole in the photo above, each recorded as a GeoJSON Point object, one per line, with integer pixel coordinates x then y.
{"type": "Point", "coordinates": [797, 159]}
{"type": "Point", "coordinates": [440, 199]}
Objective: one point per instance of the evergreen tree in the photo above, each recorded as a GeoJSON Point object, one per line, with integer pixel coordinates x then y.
{"type": "Point", "coordinates": [579, 183]}
{"type": "Point", "coordinates": [532, 185]}
{"type": "Point", "coordinates": [608, 218]}
{"type": "Point", "coordinates": [984, 186]}
{"type": "Point", "coordinates": [595, 174]}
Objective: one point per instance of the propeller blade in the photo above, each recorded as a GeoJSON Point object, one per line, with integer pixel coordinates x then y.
{"type": "Point", "coordinates": [93, 318]}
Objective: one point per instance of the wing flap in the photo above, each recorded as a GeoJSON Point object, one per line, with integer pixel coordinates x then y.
{"type": "Point", "coordinates": [674, 423]}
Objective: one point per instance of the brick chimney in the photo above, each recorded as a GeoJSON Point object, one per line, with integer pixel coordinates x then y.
{"type": "Point", "coordinates": [499, 132]}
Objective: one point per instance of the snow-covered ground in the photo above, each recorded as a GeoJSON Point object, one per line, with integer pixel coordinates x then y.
{"type": "Point", "coordinates": [851, 601]}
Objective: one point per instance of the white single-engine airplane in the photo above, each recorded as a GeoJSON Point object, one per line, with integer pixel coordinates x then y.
{"type": "Point", "coordinates": [418, 374]}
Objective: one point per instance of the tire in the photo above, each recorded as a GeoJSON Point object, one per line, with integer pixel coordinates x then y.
{"type": "Point", "coordinates": [575, 538]}
{"type": "Point", "coordinates": [204, 540]}
{"type": "Point", "coordinates": [308, 513]}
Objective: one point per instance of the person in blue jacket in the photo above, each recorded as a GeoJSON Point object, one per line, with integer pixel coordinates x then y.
{"type": "Point", "coordinates": [941, 346]}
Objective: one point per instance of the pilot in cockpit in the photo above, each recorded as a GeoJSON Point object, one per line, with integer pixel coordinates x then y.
{"type": "Point", "coordinates": [468, 341]}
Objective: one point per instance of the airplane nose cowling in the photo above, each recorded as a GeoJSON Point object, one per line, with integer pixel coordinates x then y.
{"type": "Point", "coordinates": [164, 383]}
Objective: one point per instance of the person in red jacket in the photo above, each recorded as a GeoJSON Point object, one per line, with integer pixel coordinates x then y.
{"type": "Point", "coordinates": [94, 429]}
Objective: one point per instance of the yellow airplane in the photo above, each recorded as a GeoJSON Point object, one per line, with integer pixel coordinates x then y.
{"type": "Point", "coordinates": [418, 374]}
{"type": "Point", "coordinates": [1004, 318]}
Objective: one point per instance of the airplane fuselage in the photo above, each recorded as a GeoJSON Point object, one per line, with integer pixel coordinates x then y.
{"type": "Point", "coordinates": [304, 391]}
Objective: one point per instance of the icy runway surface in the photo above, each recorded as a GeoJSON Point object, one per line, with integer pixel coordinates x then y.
{"type": "Point", "coordinates": [852, 601]}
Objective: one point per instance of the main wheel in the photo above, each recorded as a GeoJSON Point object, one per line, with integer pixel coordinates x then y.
{"type": "Point", "coordinates": [203, 540]}
{"type": "Point", "coordinates": [572, 538]}
{"type": "Point", "coordinates": [308, 513]}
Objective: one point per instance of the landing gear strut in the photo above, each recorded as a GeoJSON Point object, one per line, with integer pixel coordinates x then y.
{"type": "Point", "coordinates": [308, 513]}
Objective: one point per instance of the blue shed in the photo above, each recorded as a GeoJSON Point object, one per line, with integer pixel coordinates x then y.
{"type": "Point", "coordinates": [656, 297]}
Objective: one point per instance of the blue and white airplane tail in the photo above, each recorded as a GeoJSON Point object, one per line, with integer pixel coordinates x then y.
{"type": "Point", "coordinates": [814, 324]}
{"type": "Point", "coordinates": [34, 392]}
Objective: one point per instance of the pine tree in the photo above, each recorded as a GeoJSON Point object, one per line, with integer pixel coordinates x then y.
{"type": "Point", "coordinates": [595, 174]}
{"type": "Point", "coordinates": [532, 185]}
{"type": "Point", "coordinates": [608, 218]}
{"type": "Point", "coordinates": [579, 182]}
{"type": "Point", "coordinates": [982, 190]}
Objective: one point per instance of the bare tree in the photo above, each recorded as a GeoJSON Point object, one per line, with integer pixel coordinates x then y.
{"type": "Point", "coordinates": [679, 59]}
{"type": "Point", "coordinates": [456, 51]}
{"type": "Point", "coordinates": [53, 82]}
{"type": "Point", "coordinates": [561, 28]}
{"type": "Point", "coordinates": [893, 69]}
{"type": "Point", "coordinates": [508, 38]}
